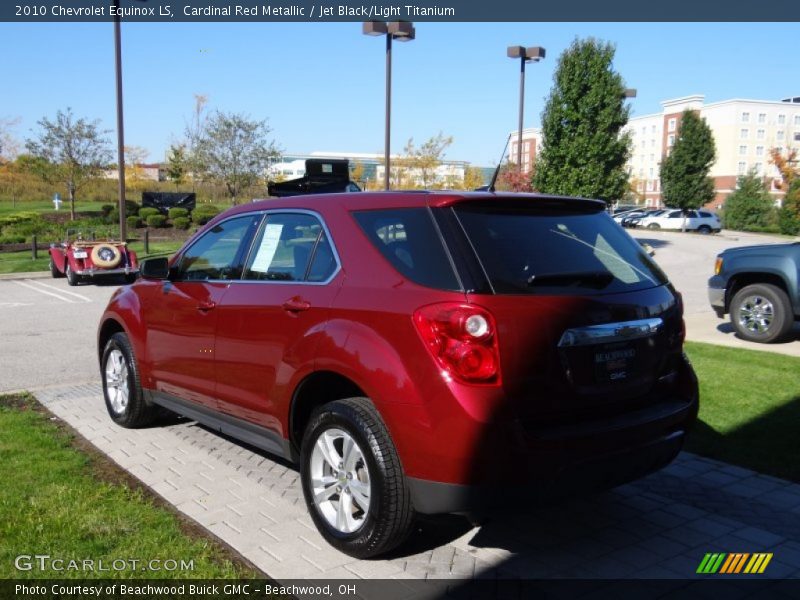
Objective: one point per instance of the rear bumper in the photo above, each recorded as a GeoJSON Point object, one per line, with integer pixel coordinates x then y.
{"type": "Point", "coordinates": [431, 497]}
{"type": "Point", "coordinates": [105, 272]}
{"type": "Point", "coordinates": [518, 462]}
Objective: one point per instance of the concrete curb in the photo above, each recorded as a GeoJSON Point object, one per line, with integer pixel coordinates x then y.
{"type": "Point", "coordinates": [32, 275]}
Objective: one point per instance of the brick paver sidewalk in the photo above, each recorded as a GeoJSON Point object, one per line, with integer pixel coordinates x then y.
{"type": "Point", "coordinates": [659, 527]}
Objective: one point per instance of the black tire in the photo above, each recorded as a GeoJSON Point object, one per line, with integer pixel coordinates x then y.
{"type": "Point", "coordinates": [72, 278]}
{"type": "Point", "coordinates": [762, 313]}
{"type": "Point", "coordinates": [704, 229]}
{"type": "Point", "coordinates": [654, 226]}
{"type": "Point", "coordinates": [54, 272]}
{"type": "Point", "coordinates": [389, 518]}
{"type": "Point", "coordinates": [136, 412]}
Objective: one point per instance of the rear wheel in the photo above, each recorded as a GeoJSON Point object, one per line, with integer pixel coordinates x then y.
{"type": "Point", "coordinates": [761, 313]}
{"type": "Point", "coordinates": [352, 479]}
{"type": "Point", "coordinates": [121, 386]}
{"type": "Point", "coordinates": [72, 278]}
{"type": "Point", "coordinates": [704, 229]}
{"type": "Point", "coordinates": [54, 272]}
{"type": "Point", "coordinates": [654, 226]}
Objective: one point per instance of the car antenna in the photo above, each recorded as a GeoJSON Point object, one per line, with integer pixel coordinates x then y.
{"type": "Point", "coordinates": [499, 164]}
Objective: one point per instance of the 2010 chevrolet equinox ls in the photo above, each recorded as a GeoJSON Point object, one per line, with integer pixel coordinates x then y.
{"type": "Point", "coordinates": [414, 352]}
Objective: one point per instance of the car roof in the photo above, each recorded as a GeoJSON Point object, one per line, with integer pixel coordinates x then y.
{"type": "Point", "coordinates": [405, 199]}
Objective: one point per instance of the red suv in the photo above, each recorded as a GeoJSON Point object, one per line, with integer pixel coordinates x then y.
{"type": "Point", "coordinates": [414, 352]}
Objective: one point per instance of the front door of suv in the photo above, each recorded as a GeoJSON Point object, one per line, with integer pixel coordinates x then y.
{"type": "Point", "coordinates": [182, 312]}
{"type": "Point", "coordinates": [269, 321]}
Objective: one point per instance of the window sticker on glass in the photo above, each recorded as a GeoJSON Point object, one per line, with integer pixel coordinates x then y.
{"type": "Point", "coordinates": [267, 248]}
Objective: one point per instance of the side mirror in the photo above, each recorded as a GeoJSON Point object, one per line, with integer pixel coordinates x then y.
{"type": "Point", "coordinates": [155, 268]}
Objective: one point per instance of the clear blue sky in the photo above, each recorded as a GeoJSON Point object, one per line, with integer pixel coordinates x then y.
{"type": "Point", "coordinates": [321, 85]}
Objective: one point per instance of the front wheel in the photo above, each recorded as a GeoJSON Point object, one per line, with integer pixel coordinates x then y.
{"type": "Point", "coordinates": [121, 386]}
{"type": "Point", "coordinates": [704, 229]}
{"type": "Point", "coordinates": [353, 482]}
{"type": "Point", "coordinates": [654, 226]}
{"type": "Point", "coordinates": [762, 313]}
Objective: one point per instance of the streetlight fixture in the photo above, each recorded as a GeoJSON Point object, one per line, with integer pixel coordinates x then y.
{"type": "Point", "coordinates": [402, 31]}
{"type": "Point", "coordinates": [532, 54]}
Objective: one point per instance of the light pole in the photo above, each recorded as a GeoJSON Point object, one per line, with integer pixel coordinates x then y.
{"type": "Point", "coordinates": [123, 223]}
{"type": "Point", "coordinates": [402, 31]}
{"type": "Point", "coordinates": [532, 54]}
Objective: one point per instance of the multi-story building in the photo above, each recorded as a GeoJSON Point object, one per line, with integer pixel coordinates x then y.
{"type": "Point", "coordinates": [744, 133]}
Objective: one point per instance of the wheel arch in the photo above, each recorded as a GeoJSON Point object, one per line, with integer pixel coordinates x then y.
{"type": "Point", "coordinates": [108, 328]}
{"type": "Point", "coordinates": [741, 280]}
{"type": "Point", "coordinates": [316, 389]}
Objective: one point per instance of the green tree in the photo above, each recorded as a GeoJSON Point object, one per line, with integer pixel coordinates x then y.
{"type": "Point", "coordinates": [789, 214]}
{"type": "Point", "coordinates": [421, 162]}
{"type": "Point", "coordinates": [234, 151]}
{"type": "Point", "coordinates": [177, 164]}
{"type": "Point", "coordinates": [9, 146]}
{"type": "Point", "coordinates": [750, 205]}
{"type": "Point", "coordinates": [473, 178]}
{"type": "Point", "coordinates": [71, 151]}
{"type": "Point", "coordinates": [685, 183]}
{"type": "Point", "coordinates": [584, 150]}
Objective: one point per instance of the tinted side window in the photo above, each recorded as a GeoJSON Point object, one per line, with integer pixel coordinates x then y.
{"type": "Point", "coordinates": [409, 240]}
{"type": "Point", "coordinates": [705, 215]}
{"type": "Point", "coordinates": [284, 249]}
{"type": "Point", "coordinates": [675, 214]}
{"type": "Point", "coordinates": [218, 253]}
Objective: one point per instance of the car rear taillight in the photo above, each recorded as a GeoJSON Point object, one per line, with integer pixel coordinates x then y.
{"type": "Point", "coordinates": [462, 339]}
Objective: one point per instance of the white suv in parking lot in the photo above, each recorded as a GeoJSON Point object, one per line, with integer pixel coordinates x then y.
{"type": "Point", "coordinates": [701, 221]}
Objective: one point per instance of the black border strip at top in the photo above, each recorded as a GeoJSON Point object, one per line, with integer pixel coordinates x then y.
{"type": "Point", "coordinates": [410, 10]}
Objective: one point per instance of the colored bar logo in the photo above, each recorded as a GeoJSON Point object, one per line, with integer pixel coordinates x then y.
{"type": "Point", "coordinates": [734, 563]}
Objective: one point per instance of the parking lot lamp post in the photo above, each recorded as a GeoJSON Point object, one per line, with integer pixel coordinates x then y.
{"type": "Point", "coordinates": [532, 54]}
{"type": "Point", "coordinates": [402, 31]}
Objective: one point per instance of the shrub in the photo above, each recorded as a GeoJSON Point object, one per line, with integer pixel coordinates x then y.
{"type": "Point", "coordinates": [749, 206]}
{"type": "Point", "coordinates": [133, 222]}
{"type": "Point", "coordinates": [204, 213]}
{"type": "Point", "coordinates": [176, 212]}
{"type": "Point", "coordinates": [131, 208]}
{"type": "Point", "coordinates": [107, 208]}
{"type": "Point", "coordinates": [181, 223]}
{"type": "Point", "coordinates": [156, 221]}
{"type": "Point", "coordinates": [147, 212]}
{"type": "Point", "coordinates": [113, 216]}
{"type": "Point", "coordinates": [12, 239]}
{"type": "Point", "coordinates": [789, 214]}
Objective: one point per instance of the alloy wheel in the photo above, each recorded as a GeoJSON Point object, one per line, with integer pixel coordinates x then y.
{"type": "Point", "coordinates": [756, 314]}
{"type": "Point", "coordinates": [117, 381]}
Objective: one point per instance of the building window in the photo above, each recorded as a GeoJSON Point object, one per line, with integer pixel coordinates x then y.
{"type": "Point", "coordinates": [651, 172]}
{"type": "Point", "coordinates": [745, 117]}
{"type": "Point", "coordinates": [781, 119]}
{"type": "Point", "coordinates": [762, 118]}
{"type": "Point", "coordinates": [649, 185]}
{"type": "Point", "coordinates": [758, 167]}
{"type": "Point", "coordinates": [759, 150]}
{"type": "Point", "coordinates": [652, 129]}
{"type": "Point", "coordinates": [744, 133]}
{"type": "Point", "coordinates": [760, 134]}
{"type": "Point", "coordinates": [742, 150]}
{"type": "Point", "coordinates": [644, 143]}
{"type": "Point", "coordinates": [797, 120]}
{"type": "Point", "coordinates": [670, 140]}
{"type": "Point", "coordinates": [652, 143]}
{"type": "Point", "coordinates": [742, 167]}
{"type": "Point", "coordinates": [671, 124]}
{"type": "Point", "coordinates": [797, 136]}
{"type": "Point", "coordinates": [644, 130]}
{"type": "Point", "coordinates": [779, 135]}
{"type": "Point", "coordinates": [641, 173]}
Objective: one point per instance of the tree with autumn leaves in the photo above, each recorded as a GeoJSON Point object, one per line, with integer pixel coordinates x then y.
{"type": "Point", "coordinates": [789, 214]}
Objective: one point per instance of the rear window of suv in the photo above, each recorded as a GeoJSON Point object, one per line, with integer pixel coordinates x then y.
{"type": "Point", "coordinates": [533, 250]}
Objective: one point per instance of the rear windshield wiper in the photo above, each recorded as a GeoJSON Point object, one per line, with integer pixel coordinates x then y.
{"type": "Point", "coordinates": [591, 279]}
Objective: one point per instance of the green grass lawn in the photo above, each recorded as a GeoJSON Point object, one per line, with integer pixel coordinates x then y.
{"type": "Point", "coordinates": [749, 408]}
{"type": "Point", "coordinates": [61, 501]}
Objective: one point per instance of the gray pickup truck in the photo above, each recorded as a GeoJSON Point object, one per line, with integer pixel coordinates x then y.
{"type": "Point", "coordinates": [760, 287]}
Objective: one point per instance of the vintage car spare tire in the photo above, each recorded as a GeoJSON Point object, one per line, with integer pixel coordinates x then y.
{"type": "Point", "coordinates": [106, 256]}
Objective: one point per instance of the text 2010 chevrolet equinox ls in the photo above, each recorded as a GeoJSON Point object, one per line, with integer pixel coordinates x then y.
{"type": "Point", "coordinates": [413, 352]}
